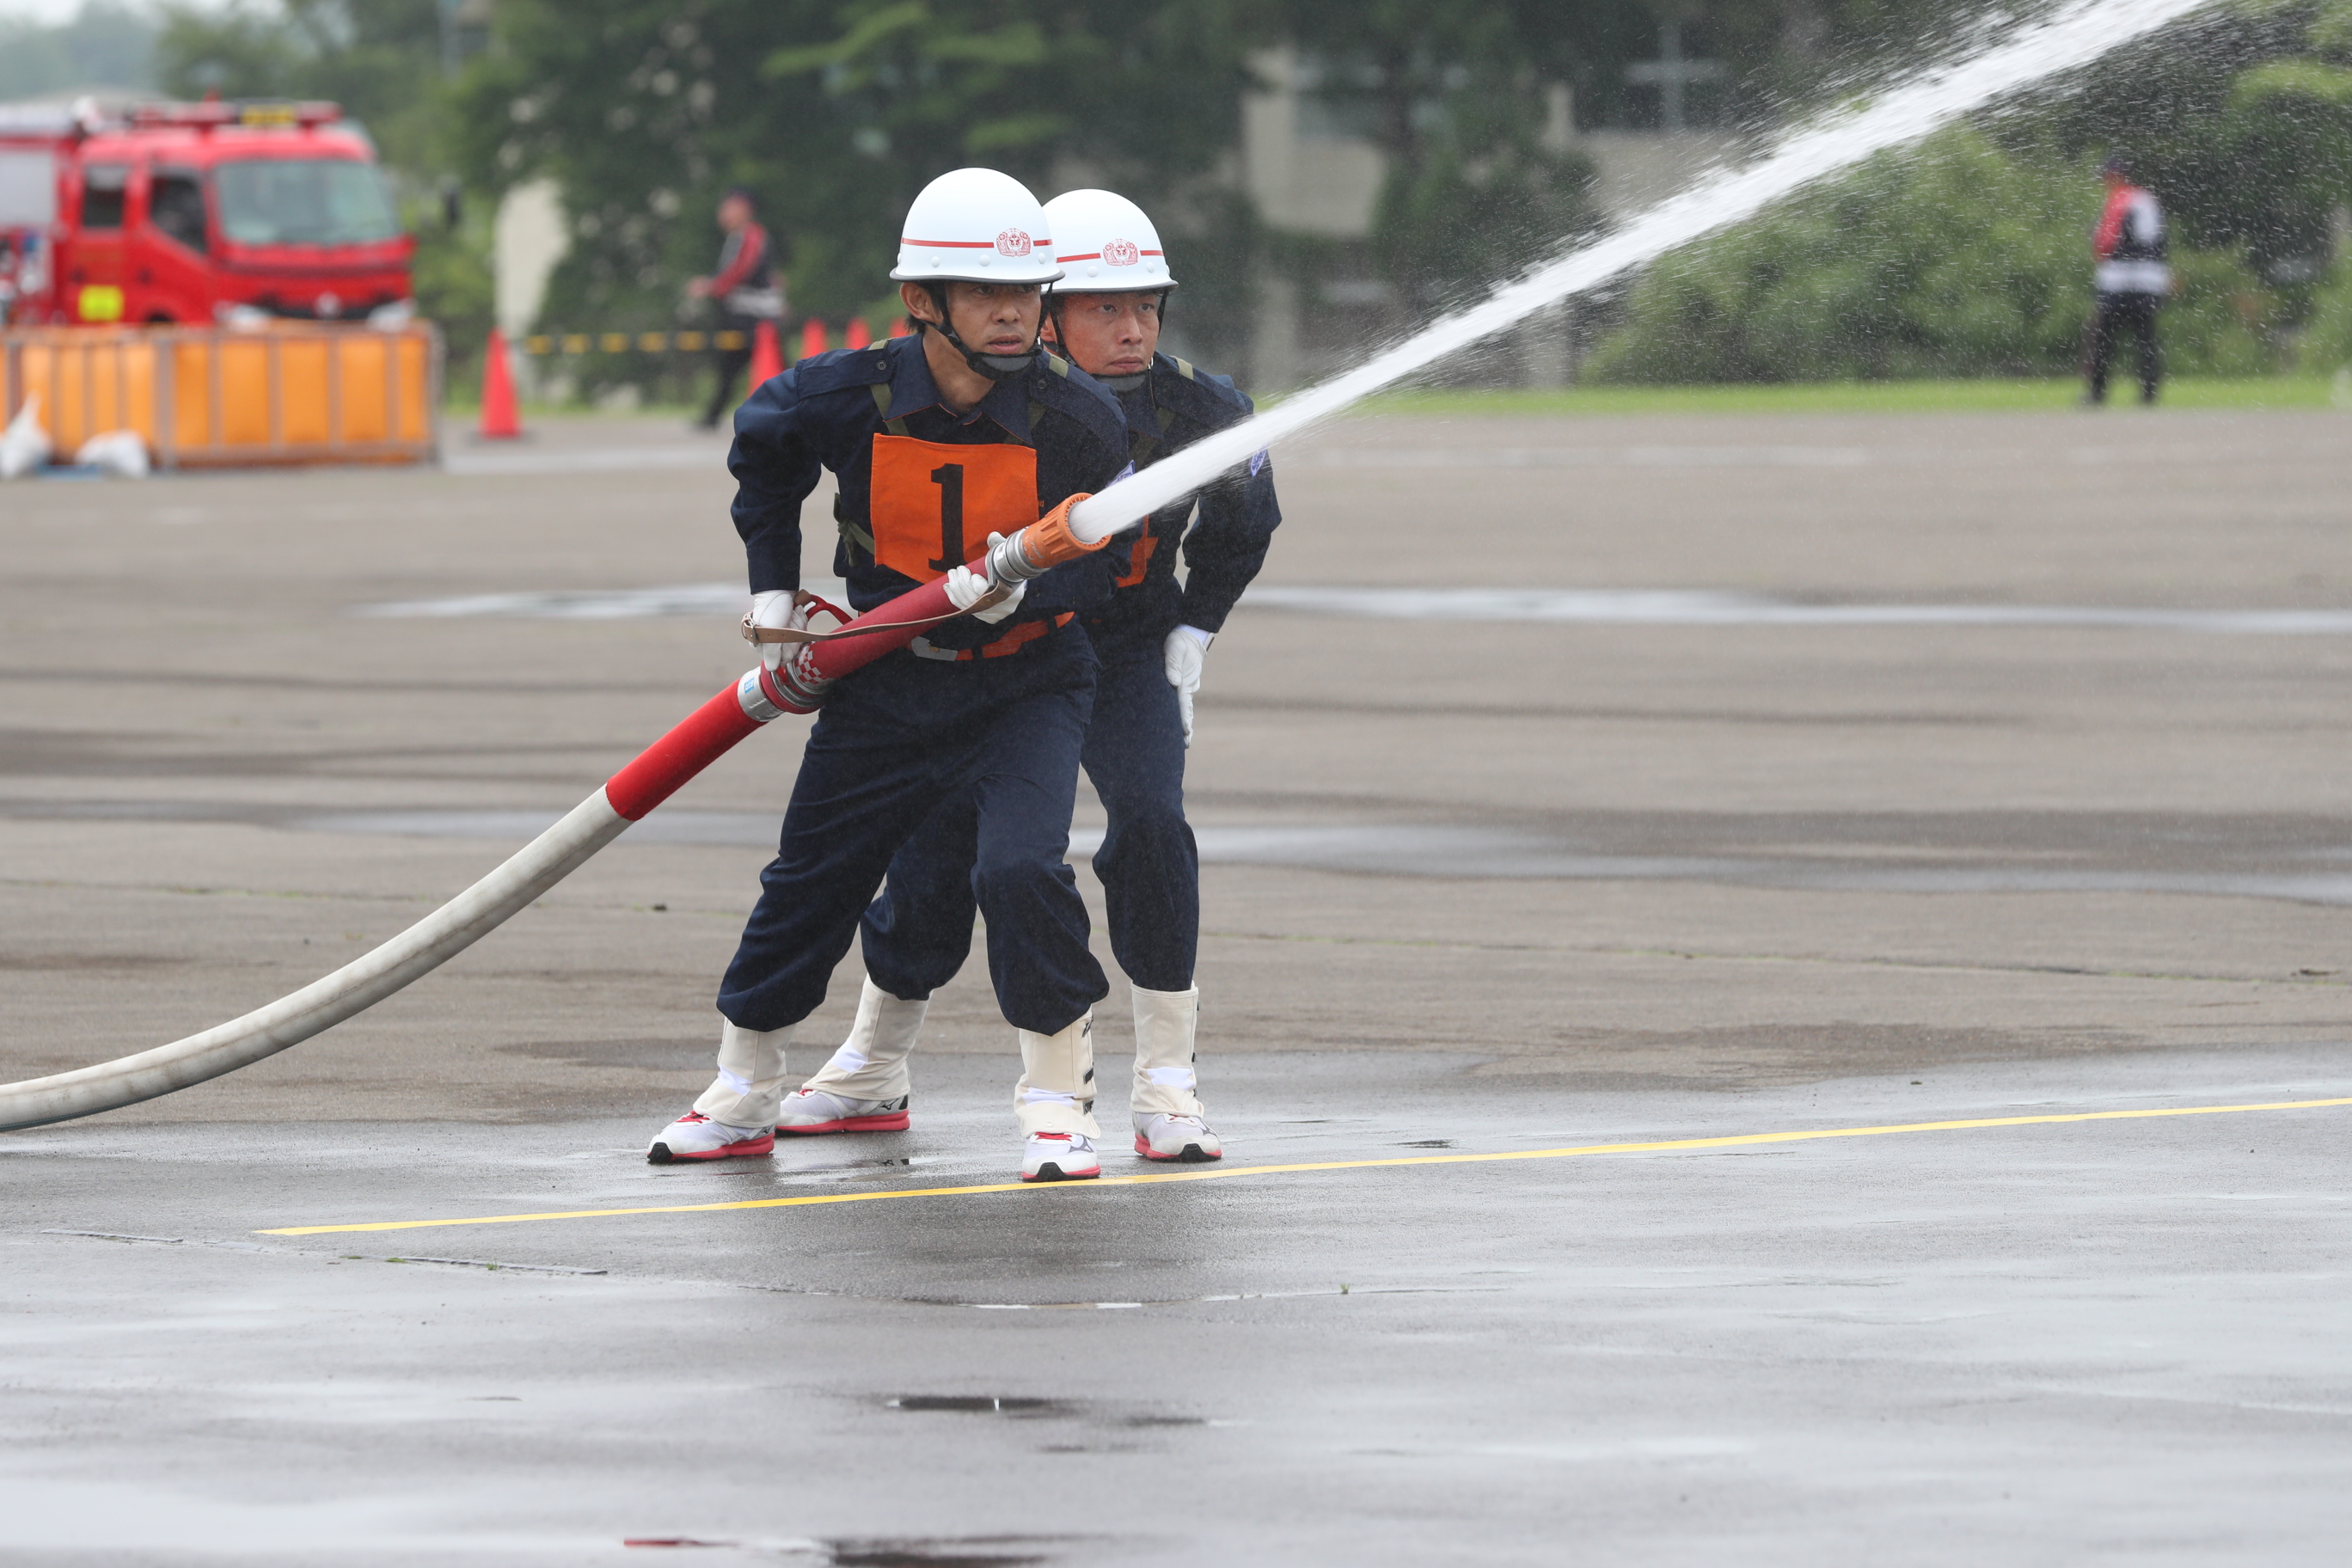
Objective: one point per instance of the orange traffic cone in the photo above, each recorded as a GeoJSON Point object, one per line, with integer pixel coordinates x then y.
{"type": "Point", "coordinates": [812, 338]}
{"type": "Point", "coordinates": [901, 327]}
{"type": "Point", "coordinates": [499, 420]}
{"type": "Point", "coordinates": [767, 359]}
{"type": "Point", "coordinates": [859, 337]}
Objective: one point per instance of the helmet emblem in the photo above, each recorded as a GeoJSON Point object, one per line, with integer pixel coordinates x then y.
{"type": "Point", "coordinates": [1012, 242]}
{"type": "Point", "coordinates": [1121, 253]}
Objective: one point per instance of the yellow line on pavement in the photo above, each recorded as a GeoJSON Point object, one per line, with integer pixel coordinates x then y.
{"type": "Point", "coordinates": [1220, 1171]}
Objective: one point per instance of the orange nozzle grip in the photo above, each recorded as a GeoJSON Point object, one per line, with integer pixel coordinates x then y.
{"type": "Point", "coordinates": [1048, 541]}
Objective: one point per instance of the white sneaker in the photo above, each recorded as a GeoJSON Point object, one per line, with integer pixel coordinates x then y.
{"type": "Point", "coordinates": [1160, 1136]}
{"type": "Point", "coordinates": [818, 1110]}
{"type": "Point", "coordinates": [1059, 1157]}
{"type": "Point", "coordinates": [695, 1136]}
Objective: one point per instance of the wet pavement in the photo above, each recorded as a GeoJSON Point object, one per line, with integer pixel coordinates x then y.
{"type": "Point", "coordinates": [1575, 785]}
{"type": "Point", "coordinates": [2044, 1342]}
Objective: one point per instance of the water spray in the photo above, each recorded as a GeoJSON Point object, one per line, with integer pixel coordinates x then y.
{"type": "Point", "coordinates": [2073, 36]}
{"type": "Point", "coordinates": [1925, 102]}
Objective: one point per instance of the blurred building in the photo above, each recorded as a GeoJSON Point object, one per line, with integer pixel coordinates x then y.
{"type": "Point", "coordinates": [1315, 175]}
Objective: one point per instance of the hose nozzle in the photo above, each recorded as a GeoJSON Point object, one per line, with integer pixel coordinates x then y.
{"type": "Point", "coordinates": [1039, 548]}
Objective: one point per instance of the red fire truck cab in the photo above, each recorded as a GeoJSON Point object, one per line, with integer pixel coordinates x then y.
{"type": "Point", "coordinates": [197, 213]}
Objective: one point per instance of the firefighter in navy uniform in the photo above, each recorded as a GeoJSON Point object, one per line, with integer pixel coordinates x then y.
{"type": "Point", "coordinates": [1151, 637]}
{"type": "Point", "coordinates": [938, 441]}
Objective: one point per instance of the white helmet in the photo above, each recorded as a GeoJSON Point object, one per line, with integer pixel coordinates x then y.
{"type": "Point", "coordinates": [976, 225]}
{"type": "Point", "coordinates": [1105, 245]}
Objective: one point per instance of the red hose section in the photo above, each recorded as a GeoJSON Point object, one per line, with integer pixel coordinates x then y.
{"type": "Point", "coordinates": [837, 656]}
{"type": "Point", "coordinates": [701, 740]}
{"type": "Point", "coordinates": [661, 768]}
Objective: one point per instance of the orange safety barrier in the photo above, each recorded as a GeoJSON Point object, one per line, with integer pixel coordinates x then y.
{"type": "Point", "coordinates": [287, 393]}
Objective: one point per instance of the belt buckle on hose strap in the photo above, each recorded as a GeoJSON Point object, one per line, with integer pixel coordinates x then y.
{"type": "Point", "coordinates": [758, 635]}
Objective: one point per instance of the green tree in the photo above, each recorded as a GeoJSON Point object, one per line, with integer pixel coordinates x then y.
{"type": "Point", "coordinates": [833, 116]}
{"type": "Point", "coordinates": [1457, 94]}
{"type": "Point", "coordinates": [1792, 54]}
{"type": "Point", "coordinates": [381, 59]}
{"type": "Point", "coordinates": [105, 44]}
{"type": "Point", "coordinates": [1955, 258]}
{"type": "Point", "coordinates": [2237, 119]}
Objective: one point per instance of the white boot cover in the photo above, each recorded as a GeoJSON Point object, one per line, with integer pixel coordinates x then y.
{"type": "Point", "coordinates": [750, 1082]}
{"type": "Point", "coordinates": [872, 1063]}
{"type": "Point", "coordinates": [1056, 1091]}
{"type": "Point", "coordinates": [1164, 1080]}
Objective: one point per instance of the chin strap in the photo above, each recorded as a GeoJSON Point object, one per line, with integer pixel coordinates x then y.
{"type": "Point", "coordinates": [1114, 383]}
{"type": "Point", "coordinates": [996, 367]}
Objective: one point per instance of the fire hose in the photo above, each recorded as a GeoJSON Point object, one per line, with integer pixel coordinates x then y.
{"type": "Point", "coordinates": [798, 685]}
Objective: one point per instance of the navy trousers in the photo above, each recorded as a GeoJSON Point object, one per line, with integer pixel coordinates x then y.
{"type": "Point", "coordinates": [994, 742]}
{"type": "Point", "coordinates": [917, 933]}
{"type": "Point", "coordinates": [2115, 314]}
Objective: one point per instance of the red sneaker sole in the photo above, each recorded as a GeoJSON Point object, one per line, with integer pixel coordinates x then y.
{"type": "Point", "coordinates": [1191, 1156]}
{"type": "Point", "coordinates": [1061, 1175]}
{"type": "Point", "coordinates": [890, 1121]}
{"type": "Point", "coordinates": [749, 1149]}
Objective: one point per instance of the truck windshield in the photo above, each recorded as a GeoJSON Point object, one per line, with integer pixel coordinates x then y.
{"type": "Point", "coordinates": [303, 201]}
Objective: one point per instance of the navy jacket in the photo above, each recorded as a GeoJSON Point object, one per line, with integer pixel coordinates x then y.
{"type": "Point", "coordinates": [1175, 407]}
{"type": "Point", "coordinates": [827, 412]}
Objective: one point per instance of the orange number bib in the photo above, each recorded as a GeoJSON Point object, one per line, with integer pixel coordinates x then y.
{"type": "Point", "coordinates": [934, 505]}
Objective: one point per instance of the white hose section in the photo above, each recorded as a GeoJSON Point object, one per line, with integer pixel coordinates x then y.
{"type": "Point", "coordinates": [359, 985]}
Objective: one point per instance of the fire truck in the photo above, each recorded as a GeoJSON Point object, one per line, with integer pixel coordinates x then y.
{"type": "Point", "coordinates": [195, 213]}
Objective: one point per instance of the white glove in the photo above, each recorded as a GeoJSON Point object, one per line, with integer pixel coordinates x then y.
{"type": "Point", "coordinates": [967, 587]}
{"type": "Point", "coordinates": [1181, 656]}
{"type": "Point", "coordinates": [775, 608]}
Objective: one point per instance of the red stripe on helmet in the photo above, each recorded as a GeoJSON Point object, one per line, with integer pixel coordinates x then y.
{"type": "Point", "coordinates": [974, 244]}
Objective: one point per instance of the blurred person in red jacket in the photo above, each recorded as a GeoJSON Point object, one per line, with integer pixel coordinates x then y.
{"type": "Point", "coordinates": [2131, 278]}
{"type": "Point", "coordinates": [747, 292]}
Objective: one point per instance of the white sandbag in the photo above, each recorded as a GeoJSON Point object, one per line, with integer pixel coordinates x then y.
{"type": "Point", "coordinates": [24, 445]}
{"type": "Point", "coordinates": [115, 452]}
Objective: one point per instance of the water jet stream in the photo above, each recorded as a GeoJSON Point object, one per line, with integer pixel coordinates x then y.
{"type": "Point", "coordinates": [2073, 36]}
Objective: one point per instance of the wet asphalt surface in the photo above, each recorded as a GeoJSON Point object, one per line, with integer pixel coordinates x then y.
{"type": "Point", "coordinates": [1473, 886]}
{"type": "Point", "coordinates": [2038, 1343]}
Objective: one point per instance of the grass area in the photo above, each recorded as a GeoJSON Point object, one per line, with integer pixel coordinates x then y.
{"type": "Point", "coordinates": [2251, 393]}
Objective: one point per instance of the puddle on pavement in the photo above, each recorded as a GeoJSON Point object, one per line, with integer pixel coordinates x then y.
{"type": "Point", "coordinates": [932, 1554]}
{"type": "Point", "coordinates": [948, 1552]}
{"type": "Point", "coordinates": [984, 1403]}
{"type": "Point", "coordinates": [1029, 1407]}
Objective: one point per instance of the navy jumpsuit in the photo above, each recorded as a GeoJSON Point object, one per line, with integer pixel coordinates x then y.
{"type": "Point", "coordinates": [916, 934]}
{"type": "Point", "coordinates": [983, 721]}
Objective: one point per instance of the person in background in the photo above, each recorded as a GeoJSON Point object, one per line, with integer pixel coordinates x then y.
{"type": "Point", "coordinates": [2131, 279]}
{"type": "Point", "coordinates": [747, 293]}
